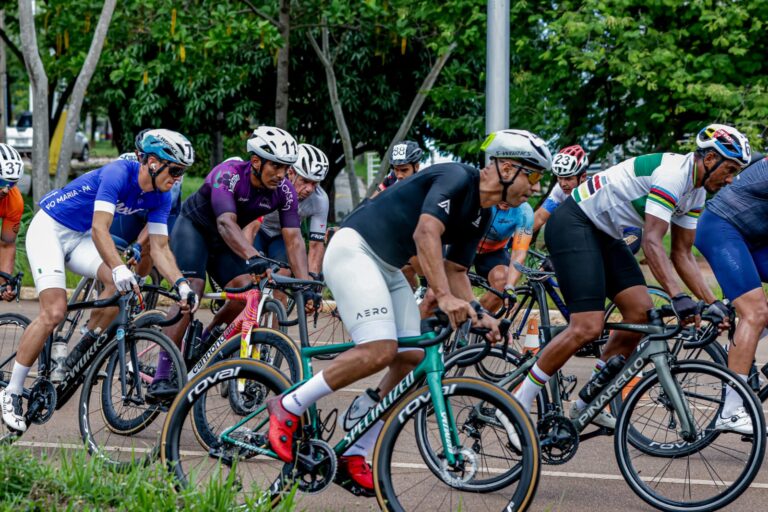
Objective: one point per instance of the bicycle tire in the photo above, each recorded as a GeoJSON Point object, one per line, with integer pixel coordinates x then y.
{"type": "Point", "coordinates": [182, 457]}
{"type": "Point", "coordinates": [105, 424]}
{"type": "Point", "coordinates": [641, 481]}
{"type": "Point", "coordinates": [12, 326]}
{"type": "Point", "coordinates": [417, 406]}
{"type": "Point", "coordinates": [273, 315]}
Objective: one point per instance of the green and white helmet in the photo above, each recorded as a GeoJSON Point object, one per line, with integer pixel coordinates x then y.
{"type": "Point", "coordinates": [520, 145]}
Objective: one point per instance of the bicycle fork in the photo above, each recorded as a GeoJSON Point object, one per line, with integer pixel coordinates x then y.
{"type": "Point", "coordinates": [449, 434]}
{"type": "Point", "coordinates": [674, 394]}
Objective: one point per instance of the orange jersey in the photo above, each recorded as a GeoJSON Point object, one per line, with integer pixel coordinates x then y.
{"type": "Point", "coordinates": [11, 208]}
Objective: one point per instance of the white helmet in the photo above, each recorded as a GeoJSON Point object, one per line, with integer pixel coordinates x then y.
{"type": "Point", "coordinates": [273, 144]}
{"type": "Point", "coordinates": [520, 145]}
{"type": "Point", "coordinates": [166, 145]}
{"type": "Point", "coordinates": [728, 142]}
{"type": "Point", "coordinates": [11, 166]}
{"type": "Point", "coordinates": [130, 157]}
{"type": "Point", "coordinates": [312, 163]}
{"type": "Point", "coordinates": [234, 159]}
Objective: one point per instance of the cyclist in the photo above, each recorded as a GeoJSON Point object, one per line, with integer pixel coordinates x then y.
{"type": "Point", "coordinates": [570, 168]}
{"type": "Point", "coordinates": [733, 237]}
{"type": "Point", "coordinates": [404, 163]}
{"type": "Point", "coordinates": [310, 169]}
{"type": "Point", "coordinates": [210, 234]}
{"type": "Point", "coordinates": [11, 209]}
{"type": "Point", "coordinates": [72, 229]}
{"type": "Point", "coordinates": [592, 262]}
{"type": "Point", "coordinates": [446, 204]}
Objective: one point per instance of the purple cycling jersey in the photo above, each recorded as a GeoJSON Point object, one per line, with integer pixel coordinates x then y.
{"type": "Point", "coordinates": [227, 189]}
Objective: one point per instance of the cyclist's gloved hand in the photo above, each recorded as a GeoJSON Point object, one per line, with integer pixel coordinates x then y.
{"type": "Point", "coordinates": [134, 253]}
{"type": "Point", "coordinates": [123, 278]}
{"type": "Point", "coordinates": [187, 294]}
{"type": "Point", "coordinates": [257, 265]}
{"type": "Point", "coordinates": [684, 306]}
{"type": "Point", "coordinates": [313, 297]}
{"type": "Point", "coordinates": [547, 265]}
{"type": "Point", "coordinates": [316, 277]}
{"type": "Point", "coordinates": [718, 309]}
{"type": "Point", "coordinates": [509, 297]}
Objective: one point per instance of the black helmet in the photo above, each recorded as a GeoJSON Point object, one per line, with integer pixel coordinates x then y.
{"type": "Point", "coordinates": [406, 152]}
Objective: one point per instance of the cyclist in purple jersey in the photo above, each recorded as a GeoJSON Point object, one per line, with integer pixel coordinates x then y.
{"type": "Point", "coordinates": [214, 233]}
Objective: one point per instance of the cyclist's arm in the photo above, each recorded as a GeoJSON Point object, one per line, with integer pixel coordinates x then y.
{"type": "Point", "coordinates": [251, 230]}
{"type": "Point", "coordinates": [163, 259]}
{"type": "Point", "coordinates": [658, 261]}
{"type": "Point", "coordinates": [429, 249]}
{"type": "Point", "coordinates": [102, 239]}
{"type": "Point", "coordinates": [686, 265]}
{"type": "Point", "coordinates": [233, 236]}
{"type": "Point", "coordinates": [316, 253]}
{"type": "Point", "coordinates": [296, 250]}
{"type": "Point", "coordinates": [8, 246]}
{"type": "Point", "coordinates": [540, 218]}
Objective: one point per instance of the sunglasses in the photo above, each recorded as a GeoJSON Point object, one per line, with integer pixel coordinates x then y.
{"type": "Point", "coordinates": [534, 176]}
{"type": "Point", "coordinates": [7, 184]}
{"type": "Point", "coordinates": [175, 171]}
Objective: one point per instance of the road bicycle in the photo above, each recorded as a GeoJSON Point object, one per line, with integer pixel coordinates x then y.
{"type": "Point", "coordinates": [431, 431]}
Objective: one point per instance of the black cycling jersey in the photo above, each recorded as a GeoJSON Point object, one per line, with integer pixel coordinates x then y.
{"type": "Point", "coordinates": [450, 192]}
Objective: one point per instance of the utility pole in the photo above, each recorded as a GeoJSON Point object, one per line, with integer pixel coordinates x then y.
{"type": "Point", "coordinates": [497, 67]}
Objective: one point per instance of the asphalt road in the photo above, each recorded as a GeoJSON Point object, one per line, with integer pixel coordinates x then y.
{"type": "Point", "coordinates": [591, 481]}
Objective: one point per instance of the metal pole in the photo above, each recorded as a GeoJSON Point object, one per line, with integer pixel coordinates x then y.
{"type": "Point", "coordinates": [497, 67]}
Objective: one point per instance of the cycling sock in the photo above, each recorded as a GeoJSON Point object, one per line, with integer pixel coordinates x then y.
{"type": "Point", "coordinates": [599, 365]}
{"type": "Point", "coordinates": [163, 371]}
{"type": "Point", "coordinates": [531, 387]}
{"type": "Point", "coordinates": [364, 444]}
{"type": "Point", "coordinates": [299, 400]}
{"type": "Point", "coordinates": [732, 400]}
{"type": "Point", "coordinates": [19, 374]}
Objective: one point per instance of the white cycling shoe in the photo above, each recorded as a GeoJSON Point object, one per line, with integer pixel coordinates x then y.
{"type": "Point", "coordinates": [603, 419]}
{"type": "Point", "coordinates": [739, 421]}
{"type": "Point", "coordinates": [13, 416]}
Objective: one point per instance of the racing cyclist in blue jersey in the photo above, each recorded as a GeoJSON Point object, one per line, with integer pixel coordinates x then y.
{"type": "Point", "coordinates": [733, 237]}
{"type": "Point", "coordinates": [71, 230]}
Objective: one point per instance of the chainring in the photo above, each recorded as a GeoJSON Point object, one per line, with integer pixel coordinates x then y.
{"type": "Point", "coordinates": [42, 401]}
{"type": "Point", "coordinates": [559, 439]}
{"type": "Point", "coordinates": [315, 467]}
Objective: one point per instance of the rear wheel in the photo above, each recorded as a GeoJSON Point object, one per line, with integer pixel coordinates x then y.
{"type": "Point", "coordinates": [11, 328]}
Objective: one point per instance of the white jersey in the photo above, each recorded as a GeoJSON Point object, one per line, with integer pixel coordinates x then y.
{"type": "Point", "coordinates": [314, 207]}
{"type": "Point", "coordinates": [659, 184]}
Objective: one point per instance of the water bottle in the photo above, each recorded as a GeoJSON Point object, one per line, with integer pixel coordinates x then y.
{"type": "Point", "coordinates": [358, 409]}
{"type": "Point", "coordinates": [596, 385]}
{"type": "Point", "coordinates": [58, 359]}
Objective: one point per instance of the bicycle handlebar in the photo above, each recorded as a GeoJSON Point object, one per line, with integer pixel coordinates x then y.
{"type": "Point", "coordinates": [14, 282]}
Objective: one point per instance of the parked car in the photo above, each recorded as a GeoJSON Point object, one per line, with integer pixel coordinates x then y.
{"type": "Point", "coordinates": [20, 137]}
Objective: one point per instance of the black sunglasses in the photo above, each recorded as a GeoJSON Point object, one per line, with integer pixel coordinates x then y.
{"type": "Point", "coordinates": [175, 171]}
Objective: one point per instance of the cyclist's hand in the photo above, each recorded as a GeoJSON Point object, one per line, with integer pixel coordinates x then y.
{"type": "Point", "coordinates": [187, 296]}
{"type": "Point", "coordinates": [686, 309]}
{"type": "Point", "coordinates": [124, 279]}
{"type": "Point", "coordinates": [509, 297]}
{"type": "Point", "coordinates": [8, 293]}
{"type": "Point", "coordinates": [722, 312]}
{"type": "Point", "coordinates": [312, 301]}
{"type": "Point", "coordinates": [458, 310]}
{"type": "Point", "coordinates": [133, 253]}
{"type": "Point", "coordinates": [487, 321]}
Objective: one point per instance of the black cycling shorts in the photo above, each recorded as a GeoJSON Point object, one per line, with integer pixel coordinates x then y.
{"type": "Point", "coordinates": [590, 264]}
{"type": "Point", "coordinates": [195, 254]}
{"type": "Point", "coordinates": [485, 262]}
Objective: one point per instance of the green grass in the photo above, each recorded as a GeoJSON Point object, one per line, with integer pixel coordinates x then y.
{"type": "Point", "coordinates": [103, 149]}
{"type": "Point", "coordinates": [74, 481]}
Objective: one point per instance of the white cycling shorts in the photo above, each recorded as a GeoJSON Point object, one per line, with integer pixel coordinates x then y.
{"type": "Point", "coordinates": [52, 246]}
{"type": "Point", "coordinates": [373, 298]}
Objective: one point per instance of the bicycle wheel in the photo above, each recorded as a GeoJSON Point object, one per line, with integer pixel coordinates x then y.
{"type": "Point", "coordinates": [195, 465]}
{"type": "Point", "coordinates": [114, 423]}
{"type": "Point", "coordinates": [272, 347]}
{"type": "Point", "coordinates": [272, 313]}
{"type": "Point", "coordinates": [328, 329]}
{"type": "Point", "coordinates": [11, 328]}
{"type": "Point", "coordinates": [707, 473]}
{"type": "Point", "coordinates": [412, 473]}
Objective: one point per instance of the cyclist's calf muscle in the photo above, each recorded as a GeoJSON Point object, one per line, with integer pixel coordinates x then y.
{"type": "Point", "coordinates": [360, 362]}
{"type": "Point", "coordinates": [53, 308]}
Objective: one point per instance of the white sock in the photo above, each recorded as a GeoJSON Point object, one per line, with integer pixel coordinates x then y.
{"type": "Point", "coordinates": [732, 399]}
{"type": "Point", "coordinates": [364, 444]}
{"type": "Point", "coordinates": [19, 374]}
{"type": "Point", "coordinates": [301, 398]}
{"type": "Point", "coordinates": [531, 387]}
{"type": "Point", "coordinates": [599, 365]}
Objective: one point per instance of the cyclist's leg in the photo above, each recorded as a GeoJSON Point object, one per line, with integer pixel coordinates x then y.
{"type": "Point", "coordinates": [494, 266]}
{"type": "Point", "coordinates": [227, 268]}
{"type": "Point", "coordinates": [84, 259]}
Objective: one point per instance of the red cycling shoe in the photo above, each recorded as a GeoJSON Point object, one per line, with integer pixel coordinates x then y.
{"type": "Point", "coordinates": [355, 475]}
{"type": "Point", "coordinates": [282, 426]}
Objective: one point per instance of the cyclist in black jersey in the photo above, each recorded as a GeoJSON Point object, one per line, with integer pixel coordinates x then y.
{"type": "Point", "coordinates": [445, 204]}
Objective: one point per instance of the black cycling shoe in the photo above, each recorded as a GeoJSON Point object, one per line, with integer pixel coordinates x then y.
{"type": "Point", "coordinates": [161, 390]}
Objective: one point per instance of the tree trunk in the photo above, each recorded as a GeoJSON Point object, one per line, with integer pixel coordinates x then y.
{"type": "Point", "coordinates": [324, 55]}
{"type": "Point", "coordinates": [78, 92]}
{"type": "Point", "coordinates": [3, 83]}
{"type": "Point", "coordinates": [39, 82]}
{"type": "Point", "coordinates": [217, 154]}
{"type": "Point", "coordinates": [416, 104]}
{"type": "Point", "coordinates": [283, 66]}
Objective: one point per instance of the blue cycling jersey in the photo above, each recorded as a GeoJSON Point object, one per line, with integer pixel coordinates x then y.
{"type": "Point", "coordinates": [113, 188]}
{"type": "Point", "coordinates": [504, 225]}
{"type": "Point", "coordinates": [744, 203]}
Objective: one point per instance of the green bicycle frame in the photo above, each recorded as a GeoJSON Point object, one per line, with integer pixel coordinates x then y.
{"type": "Point", "coordinates": [431, 369]}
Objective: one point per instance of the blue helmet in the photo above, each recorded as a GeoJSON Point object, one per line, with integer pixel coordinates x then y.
{"type": "Point", "coordinates": [166, 145]}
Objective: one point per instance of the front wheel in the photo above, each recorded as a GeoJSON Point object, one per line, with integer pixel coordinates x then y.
{"type": "Point", "coordinates": [491, 472]}
{"type": "Point", "coordinates": [674, 473]}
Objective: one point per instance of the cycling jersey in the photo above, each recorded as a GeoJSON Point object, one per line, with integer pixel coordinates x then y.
{"type": "Point", "coordinates": [660, 184]}
{"type": "Point", "coordinates": [506, 224]}
{"type": "Point", "coordinates": [744, 203]}
{"type": "Point", "coordinates": [314, 207]}
{"type": "Point", "coordinates": [555, 199]}
{"type": "Point", "coordinates": [450, 192]}
{"type": "Point", "coordinates": [113, 188]}
{"type": "Point", "coordinates": [228, 189]}
{"type": "Point", "coordinates": [11, 209]}
{"type": "Point", "coordinates": [128, 227]}
{"type": "Point", "coordinates": [388, 181]}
